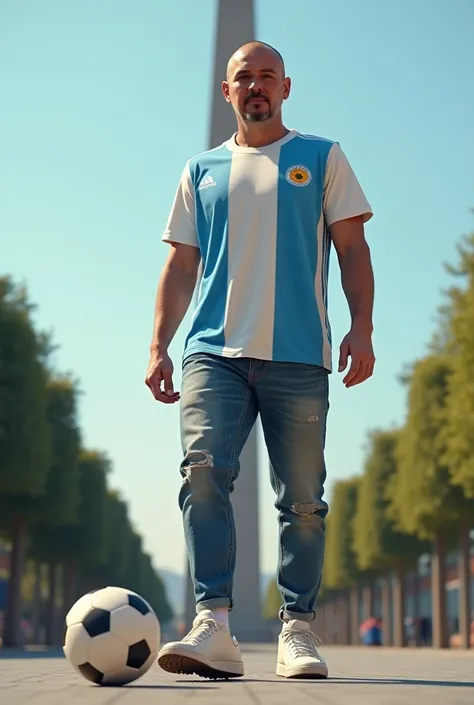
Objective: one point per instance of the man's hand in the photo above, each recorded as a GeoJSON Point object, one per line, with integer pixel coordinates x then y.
{"type": "Point", "coordinates": [160, 372]}
{"type": "Point", "coordinates": [357, 344]}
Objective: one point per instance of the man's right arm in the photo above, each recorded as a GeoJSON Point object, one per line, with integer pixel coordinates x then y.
{"type": "Point", "coordinates": [175, 288]}
{"type": "Point", "coordinates": [175, 291]}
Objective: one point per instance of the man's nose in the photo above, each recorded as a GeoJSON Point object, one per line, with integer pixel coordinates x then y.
{"type": "Point", "coordinates": [256, 85]}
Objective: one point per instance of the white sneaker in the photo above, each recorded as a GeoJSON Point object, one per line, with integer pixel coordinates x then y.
{"type": "Point", "coordinates": [208, 651]}
{"type": "Point", "coordinates": [298, 655]}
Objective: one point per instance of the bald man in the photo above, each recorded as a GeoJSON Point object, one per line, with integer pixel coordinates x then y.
{"type": "Point", "coordinates": [260, 212]}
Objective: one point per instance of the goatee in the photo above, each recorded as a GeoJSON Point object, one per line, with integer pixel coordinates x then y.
{"type": "Point", "coordinates": [258, 116]}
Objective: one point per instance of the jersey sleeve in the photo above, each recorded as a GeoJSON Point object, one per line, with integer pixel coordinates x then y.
{"type": "Point", "coordinates": [181, 225]}
{"type": "Point", "coordinates": [343, 195]}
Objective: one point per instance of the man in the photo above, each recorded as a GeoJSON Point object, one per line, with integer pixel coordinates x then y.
{"type": "Point", "coordinates": [260, 212]}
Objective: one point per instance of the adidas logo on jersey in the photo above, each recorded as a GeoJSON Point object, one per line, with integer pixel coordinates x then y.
{"type": "Point", "coordinates": [206, 183]}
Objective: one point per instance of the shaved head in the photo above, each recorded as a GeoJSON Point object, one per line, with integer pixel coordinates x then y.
{"type": "Point", "coordinates": [248, 48]}
{"type": "Point", "coordinates": [256, 84]}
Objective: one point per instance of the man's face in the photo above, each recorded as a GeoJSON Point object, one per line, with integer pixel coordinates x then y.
{"type": "Point", "coordinates": [256, 86]}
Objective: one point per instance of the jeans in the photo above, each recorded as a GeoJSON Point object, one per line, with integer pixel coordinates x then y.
{"type": "Point", "coordinates": [220, 400]}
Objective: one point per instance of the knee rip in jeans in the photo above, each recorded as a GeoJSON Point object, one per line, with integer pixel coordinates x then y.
{"type": "Point", "coordinates": [306, 508]}
{"type": "Point", "coordinates": [197, 459]}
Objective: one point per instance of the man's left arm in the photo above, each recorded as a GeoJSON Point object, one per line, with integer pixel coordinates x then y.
{"type": "Point", "coordinates": [346, 211]}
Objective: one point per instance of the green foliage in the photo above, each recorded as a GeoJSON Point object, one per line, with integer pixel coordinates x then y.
{"type": "Point", "coordinates": [133, 577]}
{"type": "Point", "coordinates": [117, 540]}
{"type": "Point", "coordinates": [459, 435]}
{"type": "Point", "coordinates": [58, 505]}
{"type": "Point", "coordinates": [51, 486]}
{"type": "Point", "coordinates": [378, 545]}
{"type": "Point", "coordinates": [24, 429]}
{"type": "Point", "coordinates": [340, 569]}
{"type": "Point", "coordinates": [423, 502]}
{"type": "Point", "coordinates": [272, 602]}
{"type": "Point", "coordinates": [81, 544]}
{"type": "Point", "coordinates": [87, 539]}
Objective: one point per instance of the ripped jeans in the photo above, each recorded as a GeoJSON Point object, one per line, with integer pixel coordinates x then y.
{"type": "Point", "coordinates": [220, 400]}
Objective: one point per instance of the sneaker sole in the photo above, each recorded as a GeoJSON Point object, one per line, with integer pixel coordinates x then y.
{"type": "Point", "coordinates": [301, 672]}
{"type": "Point", "coordinates": [184, 663]}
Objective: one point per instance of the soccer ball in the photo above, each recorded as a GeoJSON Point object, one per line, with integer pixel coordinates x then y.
{"type": "Point", "coordinates": [112, 636]}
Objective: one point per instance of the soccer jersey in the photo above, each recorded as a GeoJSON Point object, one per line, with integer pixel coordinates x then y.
{"type": "Point", "coordinates": [260, 217]}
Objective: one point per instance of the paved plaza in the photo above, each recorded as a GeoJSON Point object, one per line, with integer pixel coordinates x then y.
{"type": "Point", "coordinates": [358, 677]}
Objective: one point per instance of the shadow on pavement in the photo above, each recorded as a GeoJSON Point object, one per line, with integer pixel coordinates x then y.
{"type": "Point", "coordinates": [402, 681]}
{"type": "Point", "coordinates": [349, 681]}
{"type": "Point", "coordinates": [165, 686]}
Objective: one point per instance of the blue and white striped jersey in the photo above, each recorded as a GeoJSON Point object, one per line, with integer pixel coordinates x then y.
{"type": "Point", "coordinates": [260, 218]}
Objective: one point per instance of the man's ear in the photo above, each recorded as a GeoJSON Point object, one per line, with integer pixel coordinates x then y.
{"type": "Point", "coordinates": [225, 91]}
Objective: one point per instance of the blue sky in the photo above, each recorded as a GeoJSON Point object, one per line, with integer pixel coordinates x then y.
{"type": "Point", "coordinates": [102, 103]}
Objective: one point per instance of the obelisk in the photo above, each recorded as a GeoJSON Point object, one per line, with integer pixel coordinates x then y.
{"type": "Point", "coordinates": [235, 25]}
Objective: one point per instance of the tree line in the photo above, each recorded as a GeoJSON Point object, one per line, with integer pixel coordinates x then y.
{"type": "Point", "coordinates": [58, 511]}
{"type": "Point", "coordinates": [415, 494]}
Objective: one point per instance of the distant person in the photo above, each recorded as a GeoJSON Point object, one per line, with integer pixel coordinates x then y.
{"type": "Point", "coordinates": [261, 212]}
{"type": "Point", "coordinates": [371, 632]}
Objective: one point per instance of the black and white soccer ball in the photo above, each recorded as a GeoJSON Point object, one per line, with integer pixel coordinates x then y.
{"type": "Point", "coordinates": [112, 636]}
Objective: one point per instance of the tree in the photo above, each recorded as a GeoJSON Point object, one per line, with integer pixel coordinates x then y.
{"type": "Point", "coordinates": [133, 573]}
{"type": "Point", "coordinates": [57, 507]}
{"type": "Point", "coordinates": [114, 569]}
{"type": "Point", "coordinates": [423, 500]}
{"type": "Point", "coordinates": [87, 539]}
{"type": "Point", "coordinates": [341, 573]}
{"type": "Point", "coordinates": [80, 546]}
{"type": "Point", "coordinates": [422, 471]}
{"type": "Point", "coordinates": [340, 567]}
{"type": "Point", "coordinates": [52, 487]}
{"type": "Point", "coordinates": [25, 443]}
{"type": "Point", "coordinates": [459, 430]}
{"type": "Point", "coordinates": [380, 548]}
{"type": "Point", "coordinates": [460, 417]}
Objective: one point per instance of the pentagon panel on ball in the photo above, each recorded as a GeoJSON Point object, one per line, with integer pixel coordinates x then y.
{"type": "Point", "coordinates": [112, 636]}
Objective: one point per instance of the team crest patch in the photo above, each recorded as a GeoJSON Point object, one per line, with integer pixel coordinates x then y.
{"type": "Point", "coordinates": [298, 175]}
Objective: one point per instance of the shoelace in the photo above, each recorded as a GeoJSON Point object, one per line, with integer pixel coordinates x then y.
{"type": "Point", "coordinates": [301, 643]}
{"type": "Point", "coordinates": [203, 630]}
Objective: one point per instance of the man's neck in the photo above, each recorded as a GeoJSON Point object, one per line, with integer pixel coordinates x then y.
{"type": "Point", "coordinates": [259, 134]}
